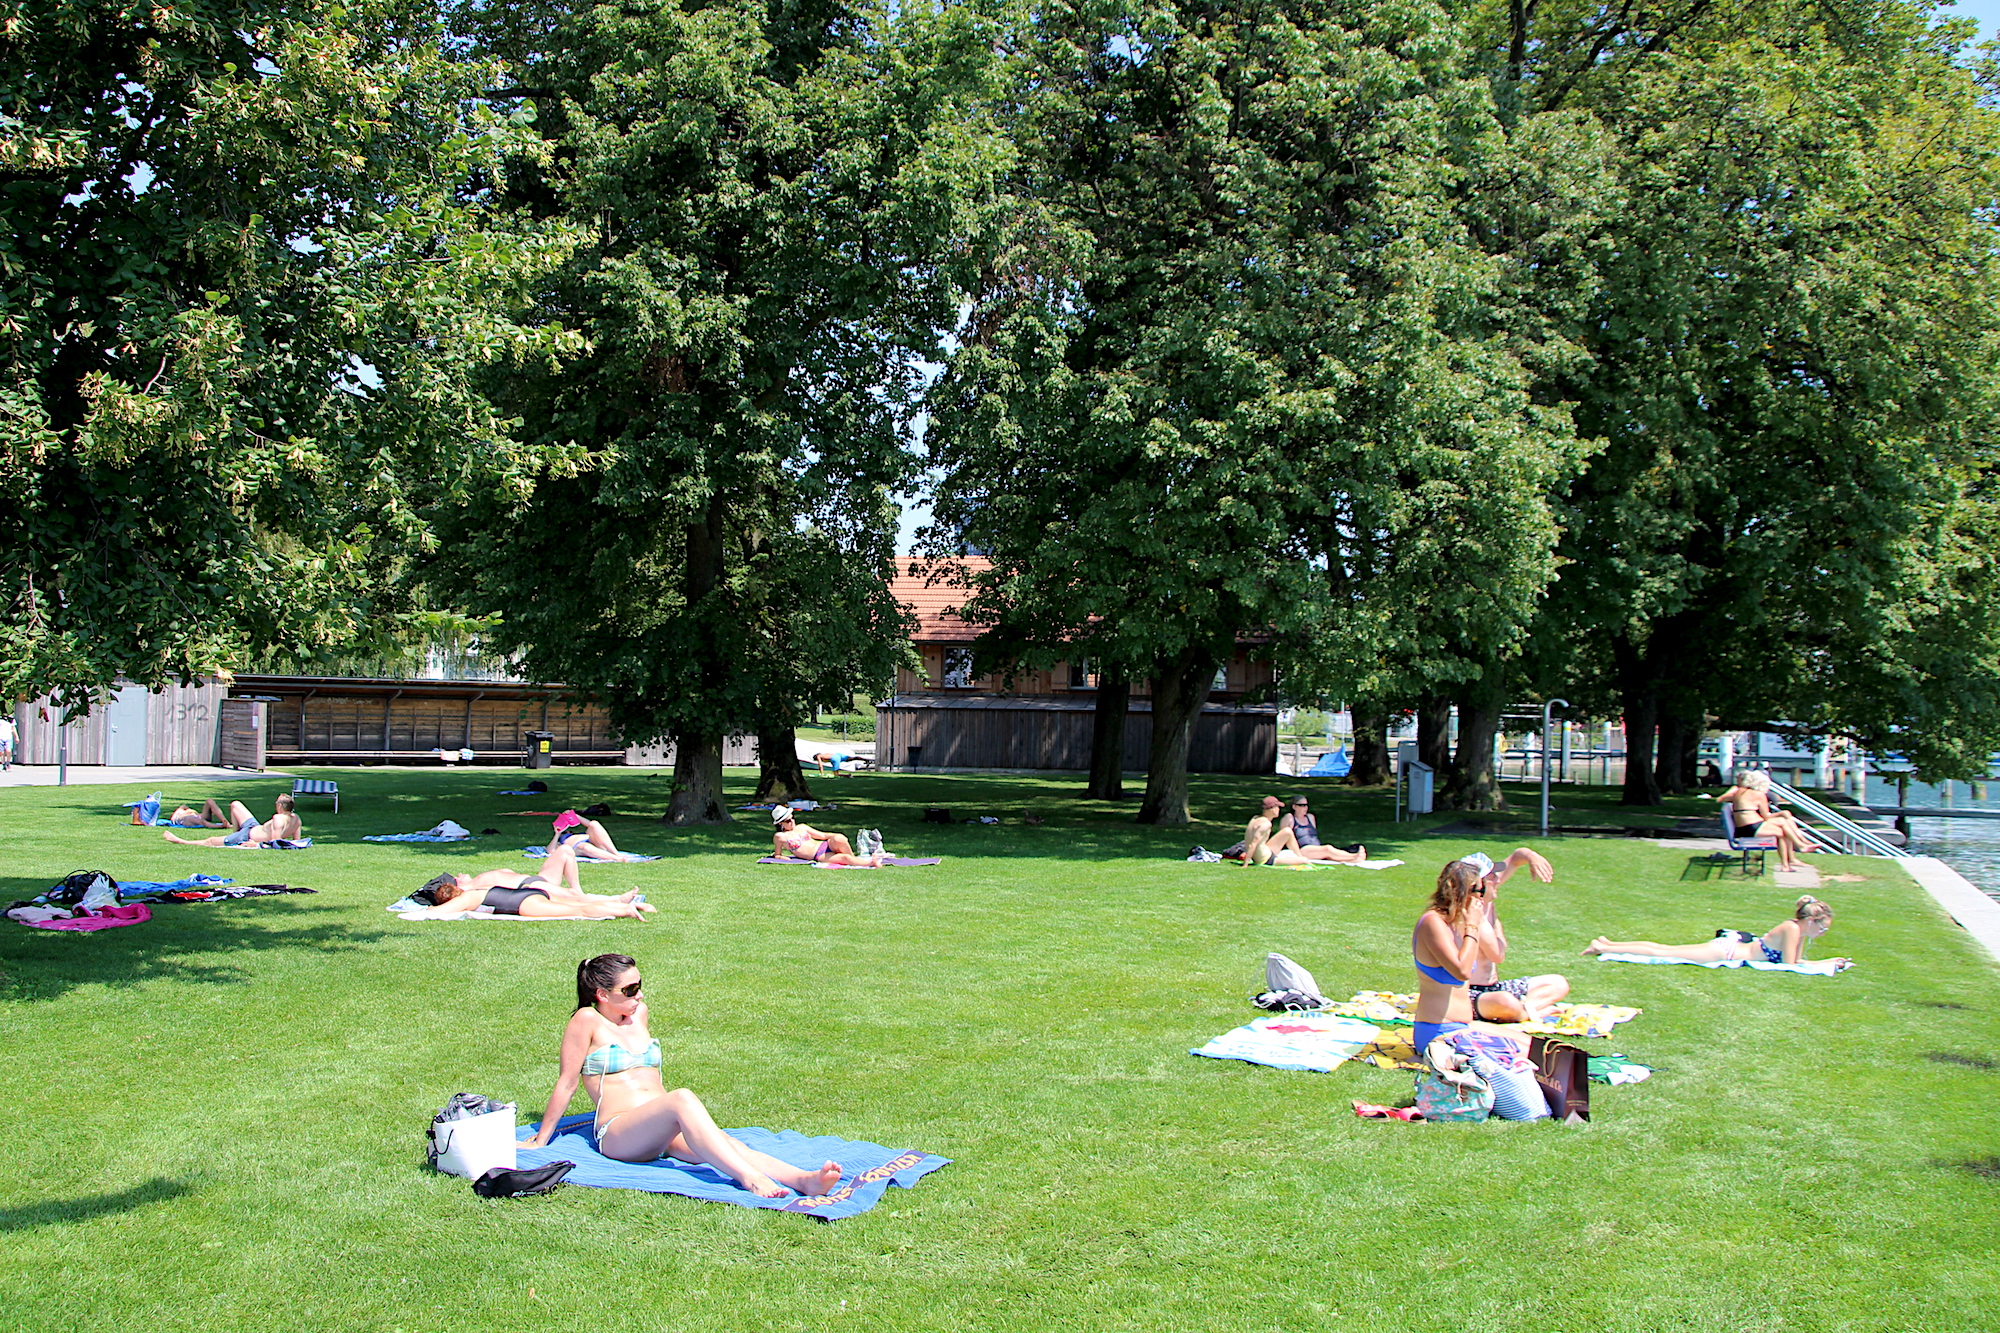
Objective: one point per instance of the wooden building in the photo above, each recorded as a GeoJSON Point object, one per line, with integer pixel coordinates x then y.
{"type": "Point", "coordinates": [944, 716]}
{"type": "Point", "coordinates": [177, 725]}
{"type": "Point", "coordinates": [346, 720]}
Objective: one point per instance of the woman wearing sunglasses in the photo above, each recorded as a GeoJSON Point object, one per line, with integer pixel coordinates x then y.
{"type": "Point", "coordinates": [607, 1049]}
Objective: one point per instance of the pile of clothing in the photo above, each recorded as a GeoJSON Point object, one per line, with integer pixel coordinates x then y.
{"type": "Point", "coordinates": [93, 900]}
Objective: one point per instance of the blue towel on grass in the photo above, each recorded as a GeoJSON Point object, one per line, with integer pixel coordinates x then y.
{"type": "Point", "coordinates": [870, 1168]}
{"type": "Point", "coordinates": [537, 853]}
{"type": "Point", "coordinates": [410, 837]}
{"type": "Point", "coordinates": [129, 889]}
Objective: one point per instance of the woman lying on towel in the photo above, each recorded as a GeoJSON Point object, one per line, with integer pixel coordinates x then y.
{"type": "Point", "coordinates": [607, 1048]}
{"type": "Point", "coordinates": [1452, 936]}
{"type": "Point", "coordinates": [585, 837]}
{"type": "Point", "coordinates": [1783, 943]}
{"type": "Point", "coordinates": [554, 890]}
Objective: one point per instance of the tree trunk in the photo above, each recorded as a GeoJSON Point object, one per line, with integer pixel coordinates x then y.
{"type": "Point", "coordinates": [1470, 783]}
{"type": "Point", "coordinates": [1434, 732]}
{"type": "Point", "coordinates": [1670, 764]}
{"type": "Point", "coordinates": [1180, 688]}
{"type": "Point", "coordinates": [780, 775]}
{"type": "Point", "coordinates": [1369, 764]}
{"type": "Point", "coordinates": [1107, 736]}
{"type": "Point", "coordinates": [1639, 691]}
{"type": "Point", "coordinates": [1691, 752]}
{"type": "Point", "coordinates": [697, 797]}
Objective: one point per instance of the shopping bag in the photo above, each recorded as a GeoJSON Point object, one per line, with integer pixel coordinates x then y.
{"type": "Point", "coordinates": [467, 1142]}
{"type": "Point", "coordinates": [1563, 1071]}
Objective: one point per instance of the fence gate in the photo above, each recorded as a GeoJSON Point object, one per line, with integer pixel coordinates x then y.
{"type": "Point", "coordinates": [242, 734]}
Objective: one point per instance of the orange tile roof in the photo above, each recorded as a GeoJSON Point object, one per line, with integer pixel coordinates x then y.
{"type": "Point", "coordinates": [933, 603]}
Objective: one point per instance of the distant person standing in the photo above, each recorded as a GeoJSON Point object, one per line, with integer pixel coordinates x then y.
{"type": "Point", "coordinates": [10, 741]}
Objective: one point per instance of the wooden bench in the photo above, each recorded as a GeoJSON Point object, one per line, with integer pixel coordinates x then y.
{"type": "Point", "coordinates": [318, 787]}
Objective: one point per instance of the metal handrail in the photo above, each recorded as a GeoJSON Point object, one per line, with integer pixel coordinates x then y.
{"type": "Point", "coordinates": [1850, 833]}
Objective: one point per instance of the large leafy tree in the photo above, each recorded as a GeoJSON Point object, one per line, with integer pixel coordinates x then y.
{"type": "Point", "coordinates": [772, 193]}
{"type": "Point", "coordinates": [246, 282]}
{"type": "Point", "coordinates": [1243, 365]}
{"type": "Point", "coordinates": [1791, 364]}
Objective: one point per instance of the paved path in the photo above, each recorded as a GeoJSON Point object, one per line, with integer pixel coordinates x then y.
{"type": "Point", "coordinates": [1979, 914]}
{"type": "Point", "coordinates": [95, 775]}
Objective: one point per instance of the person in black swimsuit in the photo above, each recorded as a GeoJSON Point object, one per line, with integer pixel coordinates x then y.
{"type": "Point", "coordinates": [1304, 829]}
{"type": "Point", "coordinates": [512, 893]}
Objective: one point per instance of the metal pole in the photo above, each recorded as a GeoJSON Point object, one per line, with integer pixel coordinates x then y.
{"type": "Point", "coordinates": [62, 754]}
{"type": "Point", "coordinates": [1546, 709]}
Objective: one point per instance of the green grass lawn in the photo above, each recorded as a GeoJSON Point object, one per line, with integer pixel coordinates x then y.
{"type": "Point", "coordinates": [216, 1118]}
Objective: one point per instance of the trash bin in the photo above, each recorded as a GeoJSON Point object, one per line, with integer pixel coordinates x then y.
{"type": "Point", "coordinates": [538, 751]}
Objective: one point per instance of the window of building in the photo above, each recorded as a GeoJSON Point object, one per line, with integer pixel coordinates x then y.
{"type": "Point", "coordinates": [958, 668]}
{"type": "Point", "coordinates": [1221, 678]}
{"type": "Point", "coordinates": [1079, 675]}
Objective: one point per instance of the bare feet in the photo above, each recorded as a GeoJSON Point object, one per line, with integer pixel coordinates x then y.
{"type": "Point", "coordinates": [1597, 946]}
{"type": "Point", "coordinates": [822, 1181]}
{"type": "Point", "coordinates": [763, 1186]}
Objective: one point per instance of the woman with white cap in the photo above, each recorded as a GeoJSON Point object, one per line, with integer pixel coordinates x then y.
{"type": "Point", "coordinates": [803, 842]}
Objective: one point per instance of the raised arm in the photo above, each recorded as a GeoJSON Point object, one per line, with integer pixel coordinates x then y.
{"type": "Point", "coordinates": [569, 1073]}
{"type": "Point", "coordinates": [1534, 860]}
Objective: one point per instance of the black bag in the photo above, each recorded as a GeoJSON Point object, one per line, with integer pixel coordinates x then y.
{"type": "Point", "coordinates": [75, 885]}
{"type": "Point", "coordinates": [935, 815]}
{"type": "Point", "coordinates": [536, 786]}
{"type": "Point", "coordinates": [598, 811]}
{"type": "Point", "coordinates": [500, 1183]}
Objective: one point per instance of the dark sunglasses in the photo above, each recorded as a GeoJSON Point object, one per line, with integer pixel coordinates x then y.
{"type": "Point", "coordinates": [630, 992]}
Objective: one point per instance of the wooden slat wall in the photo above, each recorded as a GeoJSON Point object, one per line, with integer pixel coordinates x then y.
{"type": "Point", "coordinates": [183, 724]}
{"type": "Point", "coordinates": [422, 723]}
{"type": "Point", "coordinates": [1049, 738]}
{"type": "Point", "coordinates": [242, 741]}
{"type": "Point", "coordinates": [40, 737]}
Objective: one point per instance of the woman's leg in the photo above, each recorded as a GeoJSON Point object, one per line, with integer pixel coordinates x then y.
{"type": "Point", "coordinates": [597, 908]}
{"type": "Point", "coordinates": [851, 859]}
{"type": "Point", "coordinates": [600, 839]}
{"type": "Point", "coordinates": [213, 815]}
{"type": "Point", "coordinates": [678, 1124]}
{"type": "Point", "coordinates": [838, 841]}
{"type": "Point", "coordinates": [194, 842]}
{"type": "Point", "coordinates": [1716, 950]}
{"type": "Point", "coordinates": [559, 867]}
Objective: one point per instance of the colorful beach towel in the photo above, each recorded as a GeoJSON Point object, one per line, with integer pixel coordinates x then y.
{"type": "Point", "coordinates": [1370, 864]}
{"type": "Point", "coordinates": [415, 837]}
{"type": "Point", "coordinates": [538, 853]}
{"type": "Point", "coordinates": [1394, 1049]}
{"type": "Point", "coordinates": [1818, 968]}
{"type": "Point", "coordinates": [1303, 1040]}
{"type": "Point", "coordinates": [1566, 1019]}
{"type": "Point", "coordinates": [824, 865]}
{"type": "Point", "coordinates": [129, 889]}
{"type": "Point", "coordinates": [871, 1169]}
{"type": "Point", "coordinates": [109, 918]}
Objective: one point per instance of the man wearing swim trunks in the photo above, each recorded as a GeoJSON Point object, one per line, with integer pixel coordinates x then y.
{"type": "Point", "coordinates": [283, 825]}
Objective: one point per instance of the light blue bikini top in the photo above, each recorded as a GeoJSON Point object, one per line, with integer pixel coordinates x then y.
{"type": "Point", "coordinates": [615, 1059]}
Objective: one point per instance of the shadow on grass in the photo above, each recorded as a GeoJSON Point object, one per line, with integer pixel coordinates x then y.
{"type": "Point", "coordinates": [62, 1212]}
{"type": "Point", "coordinates": [187, 942]}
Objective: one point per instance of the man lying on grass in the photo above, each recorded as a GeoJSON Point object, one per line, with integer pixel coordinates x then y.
{"type": "Point", "coordinates": [284, 826]}
{"type": "Point", "coordinates": [554, 890]}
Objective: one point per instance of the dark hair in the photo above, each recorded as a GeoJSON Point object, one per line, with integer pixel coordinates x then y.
{"type": "Point", "coordinates": [596, 974]}
{"type": "Point", "coordinates": [440, 889]}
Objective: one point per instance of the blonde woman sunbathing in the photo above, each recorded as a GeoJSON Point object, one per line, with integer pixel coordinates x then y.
{"type": "Point", "coordinates": [1783, 943]}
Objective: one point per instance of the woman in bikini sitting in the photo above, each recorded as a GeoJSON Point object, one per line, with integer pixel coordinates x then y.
{"type": "Point", "coordinates": [803, 842]}
{"type": "Point", "coordinates": [586, 837]}
{"type": "Point", "coordinates": [554, 890]}
{"type": "Point", "coordinates": [607, 1048]}
{"type": "Point", "coordinates": [1754, 817]}
{"type": "Point", "coordinates": [1783, 943]}
{"type": "Point", "coordinates": [1451, 938]}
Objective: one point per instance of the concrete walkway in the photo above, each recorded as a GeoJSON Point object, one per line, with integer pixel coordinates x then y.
{"type": "Point", "coordinates": [1979, 914]}
{"type": "Point", "coordinates": [100, 775]}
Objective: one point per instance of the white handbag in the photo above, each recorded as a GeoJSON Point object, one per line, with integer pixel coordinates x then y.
{"type": "Point", "coordinates": [472, 1145]}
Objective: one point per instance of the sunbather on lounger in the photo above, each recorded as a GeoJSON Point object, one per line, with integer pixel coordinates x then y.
{"type": "Point", "coordinates": [282, 826]}
{"type": "Point", "coordinates": [803, 842]}
{"type": "Point", "coordinates": [1516, 999]}
{"type": "Point", "coordinates": [1753, 816]}
{"type": "Point", "coordinates": [1263, 846]}
{"type": "Point", "coordinates": [607, 1048]}
{"type": "Point", "coordinates": [1783, 943]}
{"type": "Point", "coordinates": [555, 890]}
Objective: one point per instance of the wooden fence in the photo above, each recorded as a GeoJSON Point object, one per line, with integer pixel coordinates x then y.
{"type": "Point", "coordinates": [918, 731]}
